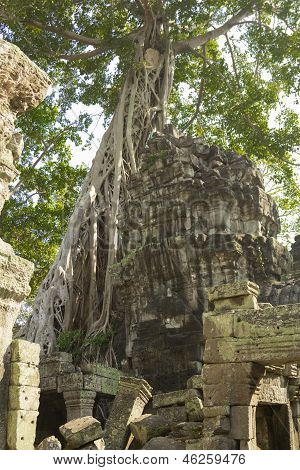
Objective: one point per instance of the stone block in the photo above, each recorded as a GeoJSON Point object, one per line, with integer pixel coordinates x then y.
{"type": "Point", "coordinates": [218, 326]}
{"type": "Point", "coordinates": [48, 384]}
{"type": "Point", "coordinates": [194, 409]}
{"type": "Point", "coordinates": [56, 368]}
{"type": "Point", "coordinates": [100, 384]}
{"type": "Point", "coordinates": [164, 443]}
{"type": "Point", "coordinates": [194, 444]}
{"type": "Point", "coordinates": [173, 398]}
{"type": "Point", "coordinates": [173, 414]}
{"type": "Point", "coordinates": [24, 351]}
{"type": "Point", "coordinates": [21, 429]}
{"type": "Point", "coordinates": [101, 370]}
{"type": "Point", "coordinates": [243, 373]}
{"type": "Point", "coordinates": [187, 430]}
{"type": "Point", "coordinates": [148, 426]}
{"type": "Point", "coordinates": [243, 302]}
{"type": "Point", "coordinates": [216, 425]}
{"type": "Point", "coordinates": [234, 289]}
{"type": "Point", "coordinates": [99, 444]}
{"type": "Point", "coordinates": [81, 431]}
{"type": "Point", "coordinates": [70, 382]}
{"type": "Point", "coordinates": [196, 381]}
{"type": "Point", "coordinates": [242, 422]}
{"type": "Point", "coordinates": [216, 443]}
{"type": "Point", "coordinates": [24, 374]}
{"type": "Point", "coordinates": [213, 411]}
{"type": "Point", "coordinates": [23, 398]}
{"type": "Point", "coordinates": [226, 394]}
{"type": "Point", "coordinates": [49, 443]}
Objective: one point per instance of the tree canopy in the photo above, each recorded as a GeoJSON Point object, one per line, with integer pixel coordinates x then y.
{"type": "Point", "coordinates": [236, 84]}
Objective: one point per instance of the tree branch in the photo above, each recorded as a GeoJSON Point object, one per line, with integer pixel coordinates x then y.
{"type": "Point", "coordinates": [197, 41]}
{"type": "Point", "coordinates": [200, 94]}
{"type": "Point", "coordinates": [53, 29]}
{"type": "Point", "coordinates": [79, 56]}
{"type": "Point", "coordinates": [233, 60]}
{"type": "Point", "coordinates": [105, 45]}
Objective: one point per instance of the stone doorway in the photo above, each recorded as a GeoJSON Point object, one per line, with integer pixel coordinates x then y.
{"type": "Point", "coordinates": [272, 427]}
{"type": "Point", "coordinates": [52, 414]}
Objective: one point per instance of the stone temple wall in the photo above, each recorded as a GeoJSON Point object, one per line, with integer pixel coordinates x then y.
{"type": "Point", "coordinates": [197, 217]}
{"type": "Point", "coordinates": [22, 87]}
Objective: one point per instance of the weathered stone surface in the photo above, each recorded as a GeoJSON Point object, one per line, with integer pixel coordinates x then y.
{"type": "Point", "coordinates": [101, 370]}
{"type": "Point", "coordinates": [100, 384]}
{"type": "Point", "coordinates": [198, 212]}
{"type": "Point", "coordinates": [164, 443]}
{"type": "Point", "coordinates": [24, 374]}
{"type": "Point", "coordinates": [216, 425]}
{"type": "Point", "coordinates": [148, 426]}
{"type": "Point", "coordinates": [196, 381]}
{"type": "Point", "coordinates": [212, 411]}
{"type": "Point", "coordinates": [242, 422]}
{"type": "Point", "coordinates": [21, 429]}
{"type": "Point", "coordinates": [194, 409]}
{"type": "Point", "coordinates": [213, 443]}
{"type": "Point", "coordinates": [188, 430]}
{"type": "Point", "coordinates": [99, 444]}
{"type": "Point", "coordinates": [232, 290]}
{"type": "Point", "coordinates": [24, 398]}
{"type": "Point", "coordinates": [133, 394]}
{"type": "Point", "coordinates": [49, 443]}
{"type": "Point", "coordinates": [173, 398]}
{"type": "Point", "coordinates": [173, 414]}
{"type": "Point", "coordinates": [81, 431]}
{"type": "Point", "coordinates": [79, 403]}
{"type": "Point", "coordinates": [70, 382]}
{"type": "Point", "coordinates": [24, 351]}
{"type": "Point", "coordinates": [48, 384]}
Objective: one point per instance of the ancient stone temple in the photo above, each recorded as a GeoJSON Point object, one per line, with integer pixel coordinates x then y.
{"type": "Point", "coordinates": [206, 309]}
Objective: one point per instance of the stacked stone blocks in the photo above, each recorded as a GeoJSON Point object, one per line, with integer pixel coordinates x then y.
{"type": "Point", "coordinates": [24, 394]}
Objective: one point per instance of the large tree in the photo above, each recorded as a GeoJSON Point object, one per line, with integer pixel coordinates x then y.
{"type": "Point", "coordinates": [238, 62]}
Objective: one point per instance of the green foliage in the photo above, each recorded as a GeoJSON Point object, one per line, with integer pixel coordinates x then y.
{"type": "Point", "coordinates": [76, 343]}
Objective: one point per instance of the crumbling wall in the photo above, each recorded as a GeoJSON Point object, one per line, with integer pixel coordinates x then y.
{"type": "Point", "coordinates": [22, 86]}
{"type": "Point", "coordinates": [196, 217]}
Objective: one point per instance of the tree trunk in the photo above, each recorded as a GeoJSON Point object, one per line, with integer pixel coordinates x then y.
{"type": "Point", "coordinates": [77, 292]}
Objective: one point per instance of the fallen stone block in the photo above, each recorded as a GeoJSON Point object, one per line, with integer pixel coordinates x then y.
{"type": "Point", "coordinates": [188, 430]}
{"type": "Point", "coordinates": [173, 414]}
{"type": "Point", "coordinates": [148, 426]}
{"type": "Point", "coordinates": [99, 444]}
{"type": "Point", "coordinates": [164, 443]}
{"type": "Point", "coordinates": [81, 431]}
{"type": "Point", "coordinates": [173, 398]}
{"type": "Point", "coordinates": [49, 443]}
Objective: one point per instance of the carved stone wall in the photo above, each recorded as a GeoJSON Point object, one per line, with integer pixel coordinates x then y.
{"type": "Point", "coordinates": [197, 217]}
{"type": "Point", "coordinates": [22, 86]}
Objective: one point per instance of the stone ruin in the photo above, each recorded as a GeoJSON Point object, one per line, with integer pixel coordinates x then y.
{"type": "Point", "coordinates": [208, 360]}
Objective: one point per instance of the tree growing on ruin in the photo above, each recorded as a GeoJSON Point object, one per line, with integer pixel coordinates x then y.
{"type": "Point", "coordinates": [237, 60]}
